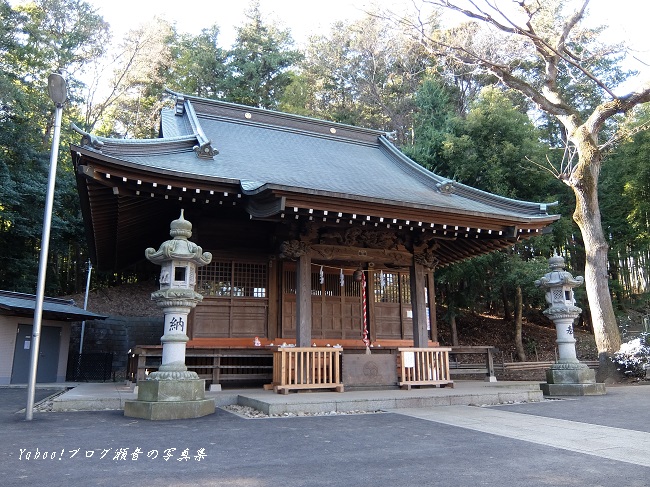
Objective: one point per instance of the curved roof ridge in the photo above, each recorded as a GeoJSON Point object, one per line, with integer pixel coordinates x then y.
{"type": "Point", "coordinates": [276, 113]}
{"type": "Point", "coordinates": [204, 149]}
{"type": "Point", "coordinates": [156, 140]}
{"type": "Point", "coordinates": [412, 167]}
{"type": "Point", "coordinates": [113, 145]}
{"type": "Point", "coordinates": [449, 186]}
{"type": "Point", "coordinates": [503, 201]}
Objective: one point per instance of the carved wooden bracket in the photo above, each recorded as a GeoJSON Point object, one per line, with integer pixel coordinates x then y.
{"type": "Point", "coordinates": [357, 237]}
{"type": "Point", "coordinates": [293, 249]}
{"type": "Point", "coordinates": [356, 254]}
{"type": "Point", "coordinates": [426, 259]}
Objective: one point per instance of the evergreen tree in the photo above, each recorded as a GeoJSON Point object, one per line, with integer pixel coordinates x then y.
{"type": "Point", "coordinates": [36, 39]}
{"type": "Point", "coordinates": [258, 64]}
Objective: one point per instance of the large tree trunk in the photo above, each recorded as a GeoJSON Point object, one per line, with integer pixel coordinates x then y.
{"type": "Point", "coordinates": [519, 343]}
{"type": "Point", "coordinates": [584, 182]}
{"type": "Point", "coordinates": [506, 305]}
{"type": "Point", "coordinates": [454, 329]}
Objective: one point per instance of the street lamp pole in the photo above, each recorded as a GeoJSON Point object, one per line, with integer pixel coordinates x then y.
{"type": "Point", "coordinates": [57, 90]}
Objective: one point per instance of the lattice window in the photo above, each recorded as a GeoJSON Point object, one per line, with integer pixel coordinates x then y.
{"type": "Point", "coordinates": [332, 285]}
{"type": "Point", "coordinates": [250, 280]}
{"type": "Point", "coordinates": [289, 282]}
{"type": "Point", "coordinates": [215, 279]}
{"type": "Point", "coordinates": [389, 291]}
{"type": "Point", "coordinates": [316, 288]}
{"type": "Point", "coordinates": [233, 279]}
{"type": "Point", "coordinates": [352, 287]}
{"type": "Point", "coordinates": [396, 287]}
{"type": "Point", "coordinates": [405, 288]}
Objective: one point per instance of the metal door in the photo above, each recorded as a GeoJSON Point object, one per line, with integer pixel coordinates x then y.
{"type": "Point", "coordinates": [48, 356]}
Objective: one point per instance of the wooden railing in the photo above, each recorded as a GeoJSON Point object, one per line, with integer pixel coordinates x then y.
{"type": "Point", "coordinates": [461, 366]}
{"type": "Point", "coordinates": [213, 365]}
{"type": "Point", "coordinates": [424, 367]}
{"type": "Point", "coordinates": [505, 366]}
{"type": "Point", "coordinates": [306, 368]}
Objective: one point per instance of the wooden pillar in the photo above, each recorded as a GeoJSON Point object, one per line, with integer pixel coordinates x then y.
{"type": "Point", "coordinates": [274, 296]}
{"type": "Point", "coordinates": [303, 301]}
{"type": "Point", "coordinates": [433, 332]}
{"type": "Point", "coordinates": [420, 335]}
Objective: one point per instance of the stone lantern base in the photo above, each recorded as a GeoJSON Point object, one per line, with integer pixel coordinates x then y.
{"type": "Point", "coordinates": [170, 399]}
{"type": "Point", "coordinates": [571, 379]}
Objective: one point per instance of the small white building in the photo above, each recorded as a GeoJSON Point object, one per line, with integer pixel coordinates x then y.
{"type": "Point", "coordinates": [16, 324]}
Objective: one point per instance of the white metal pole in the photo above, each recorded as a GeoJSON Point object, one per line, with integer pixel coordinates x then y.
{"type": "Point", "coordinates": [57, 91]}
{"type": "Point", "coordinates": [83, 323]}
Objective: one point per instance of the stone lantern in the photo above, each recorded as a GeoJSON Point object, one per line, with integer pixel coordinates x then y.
{"type": "Point", "coordinates": [568, 376]}
{"type": "Point", "coordinates": [173, 392]}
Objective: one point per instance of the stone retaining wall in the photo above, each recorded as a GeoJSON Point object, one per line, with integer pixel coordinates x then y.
{"type": "Point", "coordinates": [117, 334]}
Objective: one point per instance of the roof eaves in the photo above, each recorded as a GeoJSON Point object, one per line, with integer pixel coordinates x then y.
{"type": "Point", "coordinates": [53, 307]}
{"type": "Point", "coordinates": [448, 186]}
{"type": "Point", "coordinates": [133, 165]}
{"type": "Point", "coordinates": [514, 216]}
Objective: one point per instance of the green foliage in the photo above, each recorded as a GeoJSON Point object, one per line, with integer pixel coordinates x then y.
{"type": "Point", "coordinates": [492, 149]}
{"type": "Point", "coordinates": [434, 121]}
{"type": "Point", "coordinates": [258, 62]}
{"type": "Point", "coordinates": [198, 66]}
{"type": "Point", "coordinates": [38, 38]}
{"type": "Point", "coordinates": [625, 189]}
{"type": "Point", "coordinates": [365, 73]}
{"type": "Point", "coordinates": [481, 283]}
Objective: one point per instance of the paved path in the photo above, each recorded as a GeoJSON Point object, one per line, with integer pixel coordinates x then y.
{"type": "Point", "coordinates": [619, 444]}
{"type": "Point", "coordinates": [601, 442]}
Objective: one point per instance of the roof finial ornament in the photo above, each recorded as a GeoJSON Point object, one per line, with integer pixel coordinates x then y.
{"type": "Point", "coordinates": [88, 139]}
{"type": "Point", "coordinates": [180, 105]}
{"type": "Point", "coordinates": [446, 187]}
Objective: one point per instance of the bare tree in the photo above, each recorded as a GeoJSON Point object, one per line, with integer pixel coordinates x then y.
{"type": "Point", "coordinates": [529, 46]}
{"type": "Point", "coordinates": [119, 83]}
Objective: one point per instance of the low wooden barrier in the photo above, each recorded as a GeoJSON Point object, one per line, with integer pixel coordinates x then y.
{"type": "Point", "coordinates": [424, 367]}
{"type": "Point", "coordinates": [306, 368]}
{"type": "Point", "coordinates": [213, 365]}
{"type": "Point", "coordinates": [505, 366]}
{"type": "Point", "coordinates": [484, 368]}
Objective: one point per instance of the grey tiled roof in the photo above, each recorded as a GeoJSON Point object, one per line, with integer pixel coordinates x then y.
{"type": "Point", "coordinates": [277, 151]}
{"type": "Point", "coordinates": [53, 308]}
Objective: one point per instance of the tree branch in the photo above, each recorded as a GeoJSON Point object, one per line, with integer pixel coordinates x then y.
{"type": "Point", "coordinates": [619, 105]}
{"type": "Point", "coordinates": [550, 54]}
{"type": "Point", "coordinates": [624, 134]}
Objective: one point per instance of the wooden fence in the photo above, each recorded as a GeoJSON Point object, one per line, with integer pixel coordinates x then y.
{"type": "Point", "coordinates": [424, 367]}
{"type": "Point", "coordinates": [306, 368]}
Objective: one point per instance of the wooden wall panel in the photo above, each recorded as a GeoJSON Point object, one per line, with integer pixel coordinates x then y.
{"type": "Point", "coordinates": [230, 317]}
{"type": "Point", "coordinates": [388, 320]}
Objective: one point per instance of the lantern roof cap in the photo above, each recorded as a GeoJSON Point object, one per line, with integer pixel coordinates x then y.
{"type": "Point", "coordinates": [558, 276]}
{"type": "Point", "coordinates": [180, 229]}
{"type": "Point", "coordinates": [179, 248]}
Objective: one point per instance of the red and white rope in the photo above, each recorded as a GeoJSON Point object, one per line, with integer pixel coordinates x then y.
{"type": "Point", "coordinates": [365, 338]}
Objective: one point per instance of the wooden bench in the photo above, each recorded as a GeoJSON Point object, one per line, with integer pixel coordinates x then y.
{"type": "Point", "coordinates": [485, 367]}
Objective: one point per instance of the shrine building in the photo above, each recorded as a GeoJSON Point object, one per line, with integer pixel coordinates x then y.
{"type": "Point", "coordinates": [321, 233]}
